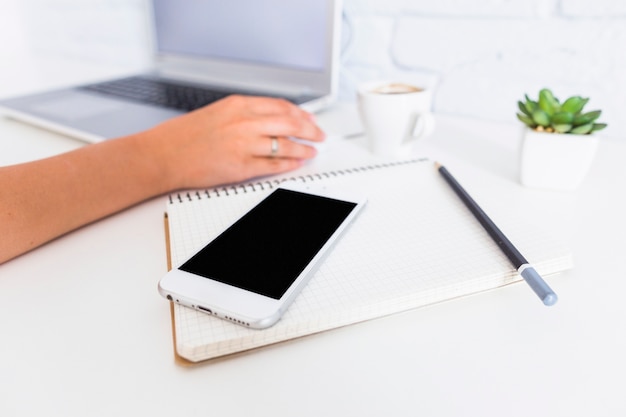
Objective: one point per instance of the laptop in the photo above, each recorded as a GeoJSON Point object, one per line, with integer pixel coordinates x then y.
{"type": "Point", "coordinates": [204, 50]}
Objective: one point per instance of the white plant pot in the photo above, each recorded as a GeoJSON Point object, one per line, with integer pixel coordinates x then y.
{"type": "Point", "coordinates": [555, 161]}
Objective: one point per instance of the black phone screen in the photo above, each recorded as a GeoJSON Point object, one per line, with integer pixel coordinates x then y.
{"type": "Point", "coordinates": [268, 248]}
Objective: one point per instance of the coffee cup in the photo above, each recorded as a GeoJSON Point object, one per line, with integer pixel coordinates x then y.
{"type": "Point", "coordinates": [394, 115]}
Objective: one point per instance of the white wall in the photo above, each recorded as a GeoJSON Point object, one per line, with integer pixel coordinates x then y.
{"type": "Point", "coordinates": [480, 55]}
{"type": "Point", "coordinates": [483, 55]}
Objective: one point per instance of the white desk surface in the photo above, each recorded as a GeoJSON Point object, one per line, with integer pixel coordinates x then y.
{"type": "Point", "coordinates": [85, 333]}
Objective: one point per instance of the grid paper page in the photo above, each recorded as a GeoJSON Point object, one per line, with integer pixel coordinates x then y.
{"type": "Point", "coordinates": [414, 244]}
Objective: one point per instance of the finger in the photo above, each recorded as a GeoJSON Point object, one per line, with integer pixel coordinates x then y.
{"type": "Point", "coordinates": [273, 125]}
{"type": "Point", "coordinates": [260, 106]}
{"type": "Point", "coordinates": [269, 166]}
{"type": "Point", "coordinates": [268, 106]}
{"type": "Point", "coordinates": [281, 147]}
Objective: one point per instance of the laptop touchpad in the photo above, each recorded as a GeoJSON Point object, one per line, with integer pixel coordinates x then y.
{"type": "Point", "coordinates": [75, 107]}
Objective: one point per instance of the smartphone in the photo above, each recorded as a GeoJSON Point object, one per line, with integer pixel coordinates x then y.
{"type": "Point", "coordinates": [251, 272]}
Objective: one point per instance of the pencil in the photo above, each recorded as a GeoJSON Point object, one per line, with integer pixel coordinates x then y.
{"type": "Point", "coordinates": [532, 277]}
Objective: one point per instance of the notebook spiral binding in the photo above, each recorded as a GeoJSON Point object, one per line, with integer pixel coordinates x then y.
{"type": "Point", "coordinates": [227, 190]}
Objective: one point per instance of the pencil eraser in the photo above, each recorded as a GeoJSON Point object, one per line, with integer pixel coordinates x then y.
{"type": "Point", "coordinates": [550, 299]}
{"type": "Point", "coordinates": [538, 285]}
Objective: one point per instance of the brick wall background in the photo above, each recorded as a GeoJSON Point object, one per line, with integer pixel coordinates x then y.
{"type": "Point", "coordinates": [483, 55]}
{"type": "Point", "coordinates": [480, 56]}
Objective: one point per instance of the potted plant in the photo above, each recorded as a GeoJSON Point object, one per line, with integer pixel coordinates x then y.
{"type": "Point", "coordinates": [558, 143]}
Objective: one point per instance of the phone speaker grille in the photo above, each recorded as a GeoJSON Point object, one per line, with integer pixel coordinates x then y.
{"type": "Point", "coordinates": [243, 323]}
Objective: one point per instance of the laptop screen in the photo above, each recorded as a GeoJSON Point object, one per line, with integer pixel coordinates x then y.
{"type": "Point", "coordinates": [282, 33]}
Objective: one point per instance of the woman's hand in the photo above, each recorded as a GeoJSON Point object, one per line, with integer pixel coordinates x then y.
{"type": "Point", "coordinates": [231, 140]}
{"type": "Point", "coordinates": [228, 141]}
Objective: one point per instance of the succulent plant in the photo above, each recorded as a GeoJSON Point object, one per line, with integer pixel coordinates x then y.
{"type": "Point", "coordinates": [547, 114]}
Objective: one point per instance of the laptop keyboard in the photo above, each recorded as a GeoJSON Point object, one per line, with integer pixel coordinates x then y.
{"type": "Point", "coordinates": [160, 93]}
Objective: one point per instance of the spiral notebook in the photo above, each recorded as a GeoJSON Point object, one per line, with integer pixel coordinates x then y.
{"type": "Point", "coordinates": [414, 244]}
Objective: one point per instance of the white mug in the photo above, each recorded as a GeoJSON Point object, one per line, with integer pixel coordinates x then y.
{"type": "Point", "coordinates": [394, 114]}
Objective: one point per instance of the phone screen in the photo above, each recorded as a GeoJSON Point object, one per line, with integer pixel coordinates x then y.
{"type": "Point", "coordinates": [269, 247]}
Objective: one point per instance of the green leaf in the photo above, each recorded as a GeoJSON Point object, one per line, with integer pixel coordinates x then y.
{"type": "Point", "coordinates": [530, 105]}
{"type": "Point", "coordinates": [598, 126]}
{"type": "Point", "coordinates": [541, 118]}
{"type": "Point", "coordinates": [526, 120]}
{"type": "Point", "coordinates": [562, 118]}
{"type": "Point", "coordinates": [573, 104]}
{"type": "Point", "coordinates": [563, 128]}
{"type": "Point", "coordinates": [585, 101]}
{"type": "Point", "coordinates": [523, 109]}
{"type": "Point", "coordinates": [582, 129]}
{"type": "Point", "coordinates": [548, 103]}
{"type": "Point", "coordinates": [586, 118]}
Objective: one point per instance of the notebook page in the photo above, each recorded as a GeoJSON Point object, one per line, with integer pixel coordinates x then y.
{"type": "Point", "coordinates": [414, 244]}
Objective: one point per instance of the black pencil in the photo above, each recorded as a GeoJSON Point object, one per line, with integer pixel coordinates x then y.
{"type": "Point", "coordinates": [526, 270]}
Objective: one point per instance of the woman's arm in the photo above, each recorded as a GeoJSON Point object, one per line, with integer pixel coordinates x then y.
{"type": "Point", "coordinates": [225, 142]}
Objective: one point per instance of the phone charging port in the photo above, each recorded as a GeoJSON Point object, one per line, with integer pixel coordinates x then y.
{"type": "Point", "coordinates": [208, 310]}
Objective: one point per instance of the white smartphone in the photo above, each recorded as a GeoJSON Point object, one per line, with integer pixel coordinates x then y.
{"type": "Point", "coordinates": [252, 271]}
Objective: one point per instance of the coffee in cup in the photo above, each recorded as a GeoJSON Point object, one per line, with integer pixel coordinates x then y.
{"type": "Point", "coordinates": [394, 115]}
